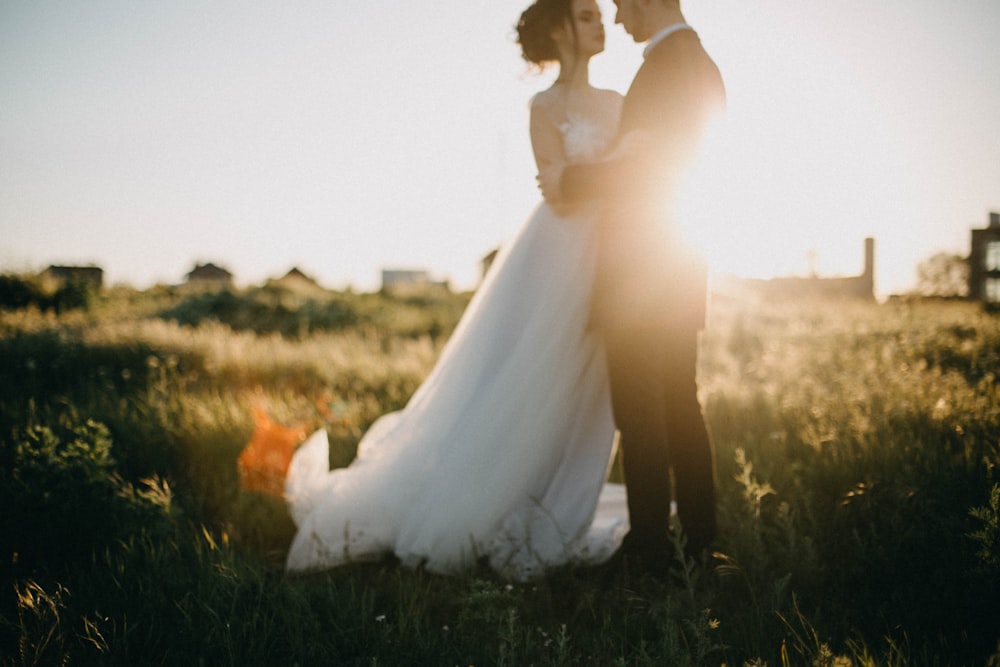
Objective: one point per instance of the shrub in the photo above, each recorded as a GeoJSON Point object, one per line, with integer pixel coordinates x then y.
{"type": "Point", "coordinates": [271, 309]}
{"type": "Point", "coordinates": [17, 293]}
{"type": "Point", "coordinates": [63, 498]}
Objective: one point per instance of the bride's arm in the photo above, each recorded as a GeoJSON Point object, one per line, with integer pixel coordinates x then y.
{"type": "Point", "coordinates": [550, 157]}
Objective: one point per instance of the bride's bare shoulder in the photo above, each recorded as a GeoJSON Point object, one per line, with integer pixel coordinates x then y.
{"type": "Point", "coordinates": [549, 98]}
{"type": "Point", "coordinates": [553, 100]}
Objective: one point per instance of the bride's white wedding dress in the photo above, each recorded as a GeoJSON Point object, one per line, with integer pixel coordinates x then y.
{"type": "Point", "coordinates": [502, 453]}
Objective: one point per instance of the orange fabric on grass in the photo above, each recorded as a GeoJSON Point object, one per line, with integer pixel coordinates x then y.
{"type": "Point", "coordinates": [263, 463]}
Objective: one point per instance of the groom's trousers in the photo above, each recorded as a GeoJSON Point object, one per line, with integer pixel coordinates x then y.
{"type": "Point", "coordinates": [652, 368]}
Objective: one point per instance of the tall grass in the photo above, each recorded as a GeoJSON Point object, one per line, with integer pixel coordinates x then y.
{"type": "Point", "coordinates": [858, 450]}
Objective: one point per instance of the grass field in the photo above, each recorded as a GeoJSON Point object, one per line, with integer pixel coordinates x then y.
{"type": "Point", "coordinates": [858, 450]}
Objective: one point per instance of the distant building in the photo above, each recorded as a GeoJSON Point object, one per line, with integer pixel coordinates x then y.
{"type": "Point", "coordinates": [984, 262]}
{"type": "Point", "coordinates": [409, 280]}
{"type": "Point", "coordinates": [486, 262]}
{"type": "Point", "coordinates": [209, 275]}
{"type": "Point", "coordinates": [296, 280]}
{"type": "Point", "coordinates": [92, 276]}
{"type": "Point", "coordinates": [852, 287]}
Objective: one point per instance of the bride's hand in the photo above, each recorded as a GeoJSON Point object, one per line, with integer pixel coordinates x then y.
{"type": "Point", "coordinates": [549, 179]}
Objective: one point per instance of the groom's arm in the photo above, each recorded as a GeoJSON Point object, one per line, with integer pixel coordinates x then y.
{"type": "Point", "coordinates": [565, 185]}
{"type": "Point", "coordinates": [610, 178]}
{"type": "Point", "coordinates": [673, 97]}
{"type": "Point", "coordinates": [581, 182]}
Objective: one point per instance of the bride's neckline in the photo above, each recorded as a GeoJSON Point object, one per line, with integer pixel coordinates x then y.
{"type": "Point", "coordinates": [569, 86]}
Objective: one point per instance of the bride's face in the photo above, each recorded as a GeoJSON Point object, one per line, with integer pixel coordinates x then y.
{"type": "Point", "coordinates": [588, 29]}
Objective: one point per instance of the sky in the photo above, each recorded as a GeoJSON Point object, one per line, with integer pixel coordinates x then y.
{"type": "Point", "coordinates": [343, 138]}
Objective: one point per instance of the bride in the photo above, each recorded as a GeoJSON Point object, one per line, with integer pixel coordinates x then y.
{"type": "Point", "coordinates": [501, 454]}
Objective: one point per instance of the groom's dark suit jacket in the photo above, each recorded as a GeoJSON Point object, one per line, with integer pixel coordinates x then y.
{"type": "Point", "coordinates": [646, 271]}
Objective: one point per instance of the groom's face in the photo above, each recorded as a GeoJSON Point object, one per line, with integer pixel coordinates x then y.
{"type": "Point", "coordinates": [629, 15]}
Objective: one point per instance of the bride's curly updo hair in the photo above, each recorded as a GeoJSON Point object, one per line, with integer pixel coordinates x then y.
{"type": "Point", "coordinates": [534, 30]}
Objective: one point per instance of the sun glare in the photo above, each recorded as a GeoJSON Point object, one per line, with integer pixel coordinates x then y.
{"type": "Point", "coordinates": [792, 184]}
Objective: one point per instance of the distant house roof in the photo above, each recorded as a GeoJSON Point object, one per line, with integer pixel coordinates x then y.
{"type": "Point", "coordinates": [89, 275]}
{"type": "Point", "coordinates": [209, 272]}
{"type": "Point", "coordinates": [296, 274]}
{"type": "Point", "coordinates": [295, 279]}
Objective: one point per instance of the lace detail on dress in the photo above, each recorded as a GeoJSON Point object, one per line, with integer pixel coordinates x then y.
{"type": "Point", "coordinates": [584, 139]}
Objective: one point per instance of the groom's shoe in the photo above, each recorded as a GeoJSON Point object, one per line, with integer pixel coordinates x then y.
{"type": "Point", "coordinates": [666, 552]}
{"type": "Point", "coordinates": [648, 544]}
{"type": "Point", "coordinates": [643, 553]}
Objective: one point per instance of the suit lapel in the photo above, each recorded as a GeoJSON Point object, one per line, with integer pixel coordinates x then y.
{"type": "Point", "coordinates": [643, 91]}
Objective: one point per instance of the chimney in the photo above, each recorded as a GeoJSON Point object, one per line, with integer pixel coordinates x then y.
{"type": "Point", "coordinates": [868, 277]}
{"type": "Point", "coordinates": [994, 219]}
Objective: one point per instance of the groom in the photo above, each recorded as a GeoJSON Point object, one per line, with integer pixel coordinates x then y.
{"type": "Point", "coordinates": [651, 288]}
